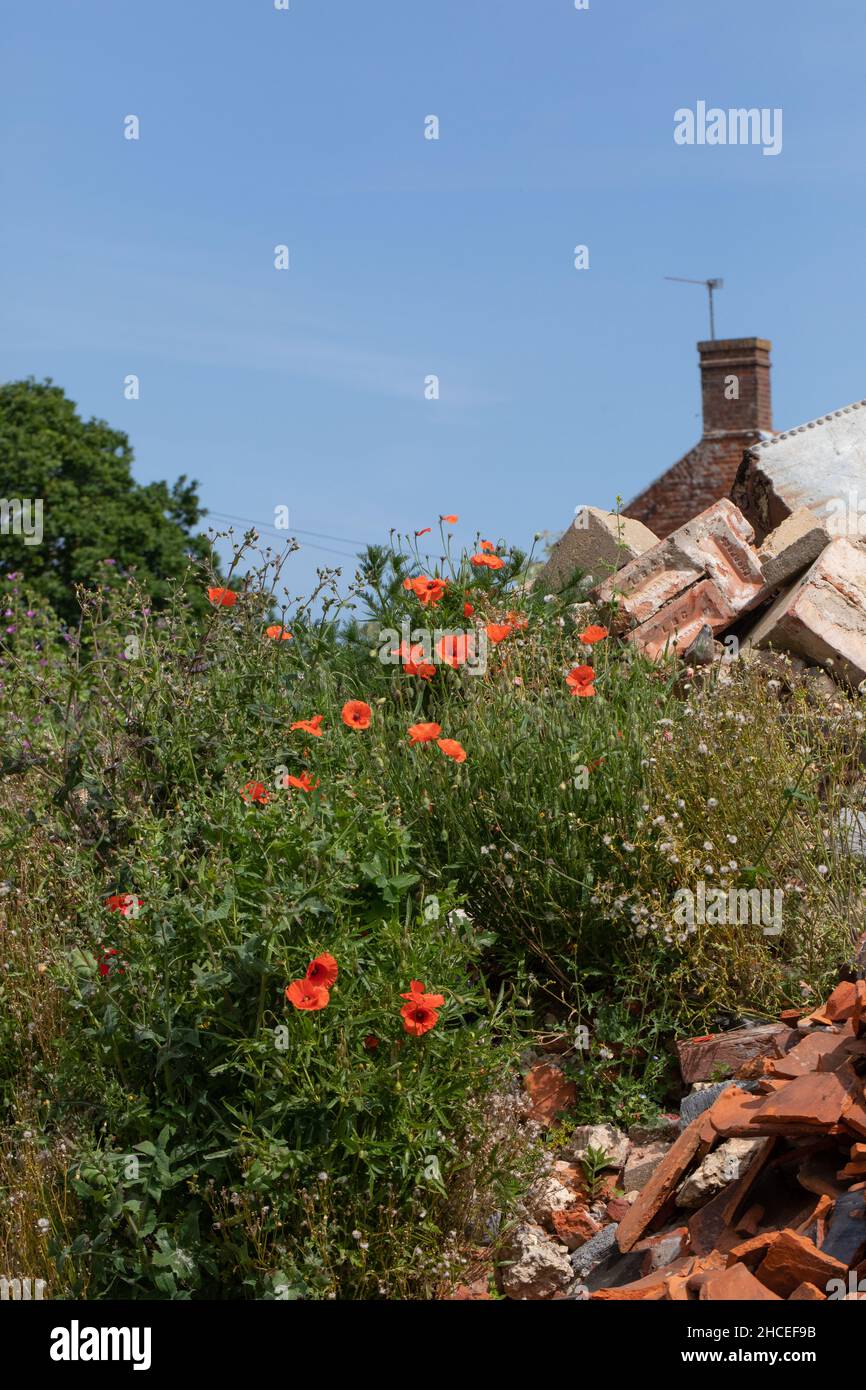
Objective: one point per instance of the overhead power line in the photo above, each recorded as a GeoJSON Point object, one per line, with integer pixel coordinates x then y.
{"type": "Point", "coordinates": [265, 526]}
{"type": "Point", "coordinates": [272, 530]}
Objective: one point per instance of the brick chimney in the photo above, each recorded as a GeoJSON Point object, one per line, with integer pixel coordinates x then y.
{"type": "Point", "coordinates": [735, 389]}
{"type": "Point", "coordinates": [735, 385]}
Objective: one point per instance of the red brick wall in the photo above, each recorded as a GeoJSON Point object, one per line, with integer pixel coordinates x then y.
{"type": "Point", "coordinates": [701, 477]}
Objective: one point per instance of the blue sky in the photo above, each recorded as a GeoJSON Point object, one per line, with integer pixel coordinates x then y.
{"type": "Point", "coordinates": [412, 257]}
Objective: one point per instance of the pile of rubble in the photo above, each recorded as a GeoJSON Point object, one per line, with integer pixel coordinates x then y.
{"type": "Point", "coordinates": [756, 1191]}
{"type": "Point", "coordinates": [779, 564]}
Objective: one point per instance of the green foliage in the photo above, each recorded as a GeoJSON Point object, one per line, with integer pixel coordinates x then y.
{"type": "Point", "coordinates": [204, 1137]}
{"type": "Point", "coordinates": [98, 524]}
{"type": "Point", "coordinates": [593, 1165]}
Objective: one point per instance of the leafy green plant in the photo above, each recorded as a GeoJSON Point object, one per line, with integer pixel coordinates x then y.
{"type": "Point", "coordinates": [593, 1165]}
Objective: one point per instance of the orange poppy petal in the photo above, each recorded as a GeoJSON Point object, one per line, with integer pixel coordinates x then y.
{"type": "Point", "coordinates": [452, 749]}
{"type": "Point", "coordinates": [356, 714]}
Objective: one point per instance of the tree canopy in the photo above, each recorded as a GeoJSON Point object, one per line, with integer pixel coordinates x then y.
{"type": "Point", "coordinates": [96, 519]}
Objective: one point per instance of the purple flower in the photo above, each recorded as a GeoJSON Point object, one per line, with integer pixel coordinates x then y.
{"type": "Point", "coordinates": [11, 627]}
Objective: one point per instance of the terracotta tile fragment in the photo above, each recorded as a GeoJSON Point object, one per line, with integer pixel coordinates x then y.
{"type": "Point", "coordinates": [661, 1185]}
{"type": "Point", "coordinates": [841, 1003]}
{"type": "Point", "coordinates": [650, 1285]}
{"type": "Point", "coordinates": [734, 1284]}
{"type": "Point", "coordinates": [793, 1260]}
{"type": "Point", "coordinates": [816, 1100]}
{"type": "Point", "coordinates": [550, 1091]}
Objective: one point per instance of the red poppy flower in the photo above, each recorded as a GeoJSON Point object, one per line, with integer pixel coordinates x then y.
{"type": "Point", "coordinates": [491, 562]}
{"type": "Point", "coordinates": [302, 783]}
{"type": "Point", "coordinates": [371, 1042]}
{"type": "Point", "coordinates": [580, 681]}
{"type": "Point", "coordinates": [309, 726]}
{"type": "Point", "coordinates": [468, 610]}
{"type": "Point", "coordinates": [424, 733]}
{"type": "Point", "coordinates": [497, 632]}
{"type": "Point", "coordinates": [322, 970]}
{"type": "Point", "coordinates": [452, 520]}
{"type": "Point", "coordinates": [413, 660]}
{"type": "Point", "coordinates": [593, 633]}
{"type": "Point", "coordinates": [428, 591]}
{"type": "Point", "coordinates": [452, 749]}
{"type": "Point", "coordinates": [222, 598]}
{"type": "Point", "coordinates": [306, 995]}
{"type": "Point", "coordinates": [278, 633]}
{"type": "Point", "coordinates": [455, 648]}
{"type": "Point", "coordinates": [418, 1019]}
{"type": "Point", "coordinates": [255, 791]}
{"type": "Point", "coordinates": [487, 545]}
{"type": "Point", "coordinates": [418, 995]}
{"type": "Point", "coordinates": [125, 903]}
{"type": "Point", "coordinates": [424, 532]}
{"type": "Point", "coordinates": [357, 714]}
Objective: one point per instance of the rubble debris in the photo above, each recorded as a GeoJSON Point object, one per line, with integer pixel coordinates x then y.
{"type": "Point", "coordinates": [704, 1058]}
{"type": "Point", "coordinates": [599, 1137]}
{"type": "Point", "coordinates": [664, 1130]}
{"type": "Point", "coordinates": [806, 1292]}
{"type": "Point", "coordinates": [774, 1178]}
{"type": "Point", "coordinates": [700, 1100]}
{"type": "Point", "coordinates": [735, 1284]}
{"type": "Point", "coordinates": [809, 576]}
{"type": "Point", "coordinates": [712, 549]}
{"type": "Point", "coordinates": [597, 543]}
{"type": "Point", "coordinates": [588, 1256]}
{"type": "Point", "coordinates": [794, 545]}
{"type": "Point", "coordinates": [546, 1197]}
{"type": "Point", "coordinates": [823, 616]}
{"type": "Point", "coordinates": [678, 624]}
{"type": "Point", "coordinates": [549, 1090]}
{"type": "Point", "coordinates": [574, 1226]}
{"type": "Point", "coordinates": [641, 1163]}
{"type": "Point", "coordinates": [725, 1165]}
{"type": "Point", "coordinates": [535, 1266]}
{"type": "Point", "coordinates": [661, 1186]}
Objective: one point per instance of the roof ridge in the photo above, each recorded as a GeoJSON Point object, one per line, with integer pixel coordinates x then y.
{"type": "Point", "coordinates": [807, 425]}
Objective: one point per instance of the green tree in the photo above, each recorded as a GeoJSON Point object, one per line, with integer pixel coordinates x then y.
{"type": "Point", "coordinates": [97, 522]}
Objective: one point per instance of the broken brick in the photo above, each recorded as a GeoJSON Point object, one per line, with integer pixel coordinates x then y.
{"type": "Point", "coordinates": [823, 617]}
{"type": "Point", "coordinates": [550, 1091]}
{"type": "Point", "coordinates": [794, 545]}
{"type": "Point", "coordinates": [713, 546]}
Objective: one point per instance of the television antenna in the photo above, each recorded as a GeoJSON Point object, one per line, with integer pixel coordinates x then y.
{"type": "Point", "coordinates": [710, 286]}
